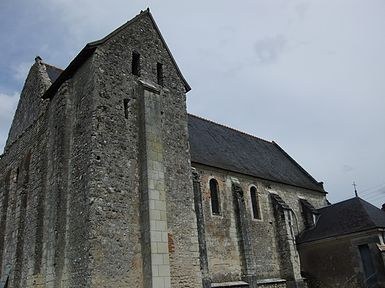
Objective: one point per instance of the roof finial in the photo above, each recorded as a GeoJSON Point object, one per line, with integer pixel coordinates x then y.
{"type": "Point", "coordinates": [355, 188]}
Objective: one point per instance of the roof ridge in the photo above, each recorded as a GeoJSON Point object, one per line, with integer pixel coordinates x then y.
{"type": "Point", "coordinates": [231, 128]}
{"type": "Point", "coordinates": [364, 205]}
{"type": "Point", "coordinates": [338, 203]}
{"type": "Point", "coordinates": [366, 211]}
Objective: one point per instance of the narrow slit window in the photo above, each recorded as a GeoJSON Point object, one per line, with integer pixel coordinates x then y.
{"type": "Point", "coordinates": [27, 162]}
{"type": "Point", "coordinates": [125, 107]}
{"type": "Point", "coordinates": [159, 71]}
{"type": "Point", "coordinates": [136, 63]}
{"type": "Point", "coordinates": [17, 175]}
{"type": "Point", "coordinates": [214, 193]}
{"type": "Point", "coordinates": [255, 203]}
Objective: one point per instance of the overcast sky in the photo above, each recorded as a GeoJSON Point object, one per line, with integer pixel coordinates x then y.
{"type": "Point", "coordinates": [309, 75]}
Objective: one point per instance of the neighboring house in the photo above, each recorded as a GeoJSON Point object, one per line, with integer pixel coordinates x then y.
{"type": "Point", "coordinates": [345, 247]}
{"type": "Point", "coordinates": [106, 181]}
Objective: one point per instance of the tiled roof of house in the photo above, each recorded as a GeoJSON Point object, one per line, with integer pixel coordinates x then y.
{"type": "Point", "coordinates": [346, 217]}
{"type": "Point", "coordinates": [219, 146]}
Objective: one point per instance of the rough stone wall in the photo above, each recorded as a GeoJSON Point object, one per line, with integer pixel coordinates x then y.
{"type": "Point", "coordinates": [289, 258]}
{"type": "Point", "coordinates": [69, 144]}
{"type": "Point", "coordinates": [291, 197]}
{"type": "Point", "coordinates": [272, 285]}
{"type": "Point", "coordinates": [337, 262]}
{"type": "Point", "coordinates": [224, 257]}
{"type": "Point", "coordinates": [222, 241]}
{"type": "Point", "coordinates": [44, 179]}
{"type": "Point", "coordinates": [115, 214]}
{"type": "Point", "coordinates": [21, 181]}
{"type": "Point", "coordinates": [76, 222]}
{"type": "Point", "coordinates": [30, 105]}
{"type": "Point", "coordinates": [184, 255]}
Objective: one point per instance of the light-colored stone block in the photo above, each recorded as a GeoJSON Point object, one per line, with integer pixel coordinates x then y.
{"type": "Point", "coordinates": [155, 270]}
{"type": "Point", "coordinates": [164, 270]}
{"type": "Point", "coordinates": [158, 282]}
{"type": "Point", "coordinates": [156, 236]}
{"type": "Point", "coordinates": [162, 247]}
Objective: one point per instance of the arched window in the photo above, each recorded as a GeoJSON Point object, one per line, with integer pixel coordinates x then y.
{"type": "Point", "coordinates": [214, 193]}
{"type": "Point", "coordinates": [255, 203]}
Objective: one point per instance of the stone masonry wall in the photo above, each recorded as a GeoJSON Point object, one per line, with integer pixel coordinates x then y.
{"type": "Point", "coordinates": [272, 285]}
{"type": "Point", "coordinates": [74, 200]}
{"type": "Point", "coordinates": [21, 189]}
{"type": "Point", "coordinates": [338, 261]}
{"type": "Point", "coordinates": [76, 222]}
{"type": "Point", "coordinates": [21, 182]}
{"type": "Point", "coordinates": [30, 105]}
{"type": "Point", "coordinates": [222, 239]}
{"type": "Point", "coordinates": [44, 241]}
{"type": "Point", "coordinates": [115, 215]}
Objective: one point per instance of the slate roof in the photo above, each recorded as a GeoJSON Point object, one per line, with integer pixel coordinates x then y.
{"type": "Point", "coordinates": [219, 146]}
{"type": "Point", "coordinates": [350, 216]}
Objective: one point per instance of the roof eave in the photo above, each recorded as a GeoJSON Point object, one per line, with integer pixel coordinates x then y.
{"type": "Point", "coordinates": [259, 177]}
{"type": "Point", "coordinates": [75, 64]}
{"type": "Point", "coordinates": [337, 236]}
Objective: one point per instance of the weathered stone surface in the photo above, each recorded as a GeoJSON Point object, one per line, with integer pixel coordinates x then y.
{"type": "Point", "coordinates": [225, 257]}
{"type": "Point", "coordinates": [96, 186]}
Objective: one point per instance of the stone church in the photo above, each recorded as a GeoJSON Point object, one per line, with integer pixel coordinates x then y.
{"type": "Point", "coordinates": [107, 181]}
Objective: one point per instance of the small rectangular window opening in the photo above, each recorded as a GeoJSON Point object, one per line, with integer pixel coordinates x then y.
{"type": "Point", "coordinates": [17, 175]}
{"type": "Point", "coordinates": [215, 208]}
{"type": "Point", "coordinates": [254, 203]}
{"type": "Point", "coordinates": [125, 107]}
{"type": "Point", "coordinates": [135, 63]}
{"type": "Point", "coordinates": [27, 162]}
{"type": "Point", "coordinates": [159, 71]}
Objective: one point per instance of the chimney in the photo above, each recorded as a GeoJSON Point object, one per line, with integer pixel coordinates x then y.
{"type": "Point", "coordinates": [38, 59]}
{"type": "Point", "coordinates": [383, 207]}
